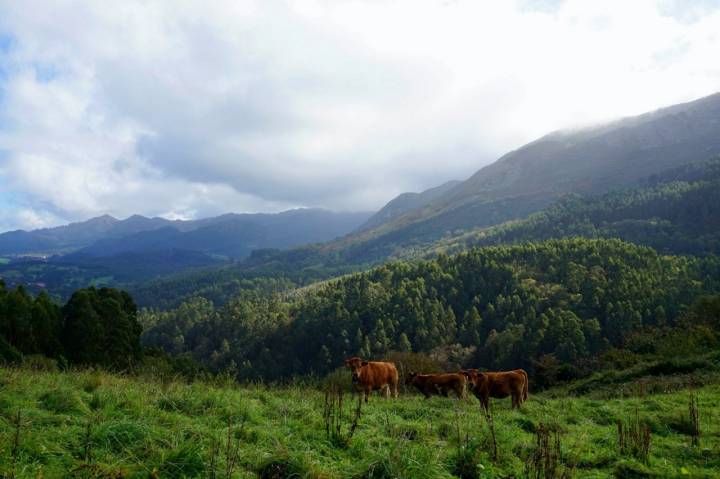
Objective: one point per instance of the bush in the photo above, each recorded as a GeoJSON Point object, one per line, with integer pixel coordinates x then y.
{"type": "Point", "coordinates": [8, 354]}
{"type": "Point", "coordinates": [338, 380]}
{"type": "Point", "coordinates": [465, 462]}
{"type": "Point", "coordinates": [413, 362]}
{"type": "Point", "coordinates": [92, 382]}
{"type": "Point", "coordinates": [632, 470]}
{"type": "Point", "coordinates": [282, 467]}
{"type": "Point", "coordinates": [38, 362]}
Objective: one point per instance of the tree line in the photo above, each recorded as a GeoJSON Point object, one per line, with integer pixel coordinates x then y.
{"type": "Point", "coordinates": [497, 307]}
{"type": "Point", "coordinates": [94, 327]}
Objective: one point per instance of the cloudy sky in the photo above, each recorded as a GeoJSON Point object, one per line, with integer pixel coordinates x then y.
{"type": "Point", "coordinates": [193, 108]}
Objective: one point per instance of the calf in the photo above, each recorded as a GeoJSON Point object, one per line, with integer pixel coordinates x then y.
{"type": "Point", "coordinates": [368, 376]}
{"type": "Point", "coordinates": [430, 384]}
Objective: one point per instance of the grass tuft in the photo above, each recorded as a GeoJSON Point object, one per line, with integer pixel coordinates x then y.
{"type": "Point", "coordinates": [62, 401]}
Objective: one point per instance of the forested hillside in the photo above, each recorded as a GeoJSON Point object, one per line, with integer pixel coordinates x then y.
{"type": "Point", "coordinates": [676, 212]}
{"type": "Point", "coordinates": [496, 307]}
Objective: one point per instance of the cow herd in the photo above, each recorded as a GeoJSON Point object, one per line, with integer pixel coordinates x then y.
{"type": "Point", "coordinates": [369, 376]}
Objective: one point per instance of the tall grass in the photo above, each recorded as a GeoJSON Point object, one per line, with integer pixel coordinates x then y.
{"type": "Point", "coordinates": [94, 424]}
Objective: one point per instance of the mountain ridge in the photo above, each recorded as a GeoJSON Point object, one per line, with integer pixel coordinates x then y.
{"type": "Point", "coordinates": [75, 236]}
{"type": "Point", "coordinates": [586, 160]}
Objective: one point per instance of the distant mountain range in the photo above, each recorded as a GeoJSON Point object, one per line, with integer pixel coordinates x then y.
{"type": "Point", "coordinates": [231, 235]}
{"type": "Point", "coordinates": [108, 251]}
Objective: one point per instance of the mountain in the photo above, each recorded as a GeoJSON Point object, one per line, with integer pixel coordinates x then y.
{"type": "Point", "coordinates": [586, 160]}
{"type": "Point", "coordinates": [675, 212]}
{"type": "Point", "coordinates": [109, 251]}
{"type": "Point", "coordinates": [234, 235]}
{"type": "Point", "coordinates": [407, 202]}
{"type": "Point", "coordinates": [62, 239]}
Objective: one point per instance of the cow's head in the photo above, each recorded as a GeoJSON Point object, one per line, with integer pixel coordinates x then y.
{"type": "Point", "coordinates": [355, 364]}
{"type": "Point", "coordinates": [474, 377]}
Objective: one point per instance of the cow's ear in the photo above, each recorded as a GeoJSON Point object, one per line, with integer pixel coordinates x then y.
{"type": "Point", "coordinates": [364, 363]}
{"type": "Point", "coordinates": [466, 373]}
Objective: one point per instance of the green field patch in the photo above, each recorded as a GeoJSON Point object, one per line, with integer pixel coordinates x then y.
{"type": "Point", "coordinates": [137, 426]}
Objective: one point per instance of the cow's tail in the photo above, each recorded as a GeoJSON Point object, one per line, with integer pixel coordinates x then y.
{"type": "Point", "coordinates": [525, 387]}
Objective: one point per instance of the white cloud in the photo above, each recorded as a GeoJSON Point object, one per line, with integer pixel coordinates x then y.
{"type": "Point", "coordinates": [188, 109]}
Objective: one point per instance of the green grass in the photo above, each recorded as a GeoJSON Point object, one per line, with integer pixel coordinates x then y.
{"type": "Point", "coordinates": [4, 260]}
{"type": "Point", "coordinates": [94, 424]}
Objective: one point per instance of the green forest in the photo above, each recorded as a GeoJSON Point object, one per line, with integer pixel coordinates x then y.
{"type": "Point", "coordinates": [551, 304]}
{"type": "Point", "coordinates": [677, 212]}
{"type": "Point", "coordinates": [96, 327]}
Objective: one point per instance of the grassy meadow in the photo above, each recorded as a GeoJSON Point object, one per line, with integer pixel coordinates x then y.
{"type": "Point", "coordinates": [95, 424]}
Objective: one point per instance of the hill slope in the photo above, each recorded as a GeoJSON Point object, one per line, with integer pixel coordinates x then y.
{"type": "Point", "coordinates": [407, 202]}
{"type": "Point", "coordinates": [509, 304]}
{"type": "Point", "coordinates": [589, 161]}
{"type": "Point", "coordinates": [676, 212]}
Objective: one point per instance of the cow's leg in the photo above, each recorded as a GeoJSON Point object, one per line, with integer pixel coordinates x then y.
{"type": "Point", "coordinates": [395, 390]}
{"type": "Point", "coordinates": [366, 394]}
{"type": "Point", "coordinates": [386, 389]}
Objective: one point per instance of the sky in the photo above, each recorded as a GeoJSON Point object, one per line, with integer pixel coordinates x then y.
{"type": "Point", "coordinates": [188, 109]}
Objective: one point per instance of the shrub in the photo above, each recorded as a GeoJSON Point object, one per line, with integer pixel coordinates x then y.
{"type": "Point", "coordinates": [38, 362]}
{"type": "Point", "coordinates": [92, 382]}
{"type": "Point", "coordinates": [282, 467]}
{"type": "Point", "coordinates": [465, 462]}
{"type": "Point", "coordinates": [8, 354]}
{"type": "Point", "coordinates": [634, 438]}
{"type": "Point", "coordinates": [631, 470]}
{"type": "Point", "coordinates": [339, 380]}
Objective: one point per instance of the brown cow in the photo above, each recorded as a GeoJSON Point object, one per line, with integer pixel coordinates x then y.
{"type": "Point", "coordinates": [368, 376]}
{"type": "Point", "coordinates": [430, 384]}
{"type": "Point", "coordinates": [527, 383]}
{"type": "Point", "coordinates": [498, 385]}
